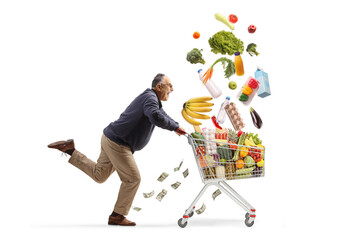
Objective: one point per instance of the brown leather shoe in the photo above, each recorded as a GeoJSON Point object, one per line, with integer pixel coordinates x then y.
{"type": "Point", "coordinates": [63, 145]}
{"type": "Point", "coordinates": [120, 220]}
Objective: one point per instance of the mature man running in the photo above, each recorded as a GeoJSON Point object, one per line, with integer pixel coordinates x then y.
{"type": "Point", "coordinates": [120, 139]}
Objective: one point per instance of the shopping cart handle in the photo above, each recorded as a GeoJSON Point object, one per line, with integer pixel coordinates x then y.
{"type": "Point", "coordinates": [179, 131]}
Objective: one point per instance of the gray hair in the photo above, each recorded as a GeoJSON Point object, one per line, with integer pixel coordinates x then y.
{"type": "Point", "coordinates": [159, 78]}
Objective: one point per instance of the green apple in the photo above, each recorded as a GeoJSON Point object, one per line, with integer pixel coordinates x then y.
{"type": "Point", "coordinates": [232, 85]}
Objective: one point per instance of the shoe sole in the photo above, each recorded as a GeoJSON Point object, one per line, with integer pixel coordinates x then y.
{"type": "Point", "coordinates": [59, 143]}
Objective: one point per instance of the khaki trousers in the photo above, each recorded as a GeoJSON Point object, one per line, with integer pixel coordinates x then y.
{"type": "Point", "coordinates": [113, 157]}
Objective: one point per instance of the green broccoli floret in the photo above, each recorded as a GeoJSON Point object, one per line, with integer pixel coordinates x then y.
{"type": "Point", "coordinates": [195, 56]}
{"type": "Point", "coordinates": [251, 49]}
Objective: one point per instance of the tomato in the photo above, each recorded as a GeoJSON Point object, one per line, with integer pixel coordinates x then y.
{"type": "Point", "coordinates": [196, 35]}
{"type": "Point", "coordinates": [233, 18]}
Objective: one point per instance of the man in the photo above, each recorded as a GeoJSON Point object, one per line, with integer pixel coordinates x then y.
{"type": "Point", "coordinates": [120, 139]}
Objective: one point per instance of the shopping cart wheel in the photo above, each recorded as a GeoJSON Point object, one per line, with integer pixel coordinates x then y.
{"type": "Point", "coordinates": [247, 215]}
{"type": "Point", "coordinates": [247, 223]}
{"type": "Point", "coordinates": [182, 225]}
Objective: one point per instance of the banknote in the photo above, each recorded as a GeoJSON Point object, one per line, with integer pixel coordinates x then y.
{"type": "Point", "coordinates": [161, 195]}
{"type": "Point", "coordinates": [216, 193]}
{"type": "Point", "coordinates": [175, 185]}
{"type": "Point", "coordinates": [186, 173]}
{"type": "Point", "coordinates": [150, 194]}
{"type": "Point", "coordinates": [136, 208]}
{"type": "Point", "coordinates": [178, 168]}
{"type": "Point", "coordinates": [201, 210]}
{"type": "Point", "coordinates": [162, 177]}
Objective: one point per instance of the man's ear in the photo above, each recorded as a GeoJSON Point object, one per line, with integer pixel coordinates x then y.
{"type": "Point", "coordinates": [158, 86]}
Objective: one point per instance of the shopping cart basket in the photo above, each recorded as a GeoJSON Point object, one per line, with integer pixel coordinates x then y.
{"type": "Point", "coordinates": [219, 161]}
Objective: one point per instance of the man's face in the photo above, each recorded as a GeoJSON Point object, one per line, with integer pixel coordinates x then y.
{"type": "Point", "coordinates": [164, 89]}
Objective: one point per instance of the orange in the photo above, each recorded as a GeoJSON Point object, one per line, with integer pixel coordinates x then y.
{"type": "Point", "coordinates": [239, 163]}
{"type": "Point", "coordinates": [196, 35]}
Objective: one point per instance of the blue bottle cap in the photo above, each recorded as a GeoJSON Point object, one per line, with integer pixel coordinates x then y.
{"type": "Point", "coordinates": [237, 53]}
{"type": "Point", "coordinates": [228, 98]}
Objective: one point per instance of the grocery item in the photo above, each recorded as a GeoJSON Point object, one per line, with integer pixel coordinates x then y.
{"type": "Point", "coordinates": [243, 97]}
{"type": "Point", "coordinates": [220, 172]}
{"type": "Point", "coordinates": [244, 152]}
{"type": "Point", "coordinates": [232, 136]}
{"type": "Point", "coordinates": [260, 163]}
{"type": "Point", "coordinates": [251, 28]}
{"type": "Point", "coordinates": [255, 118]}
{"type": "Point", "coordinates": [225, 43]}
{"type": "Point", "coordinates": [196, 35]}
{"type": "Point", "coordinates": [263, 79]}
{"type": "Point", "coordinates": [247, 93]}
{"type": "Point", "coordinates": [239, 164]}
{"type": "Point", "coordinates": [253, 83]}
{"type": "Point", "coordinates": [216, 124]}
{"type": "Point", "coordinates": [228, 65]}
{"type": "Point", "coordinates": [221, 135]}
{"type": "Point", "coordinates": [210, 86]}
{"type": "Point", "coordinates": [210, 147]}
{"type": "Point", "coordinates": [224, 152]}
{"type": "Point", "coordinates": [245, 170]}
{"type": "Point", "coordinates": [189, 119]}
{"type": "Point", "coordinates": [230, 170]}
{"type": "Point", "coordinates": [256, 139]}
{"type": "Point", "coordinates": [224, 20]}
{"type": "Point", "coordinates": [222, 113]}
{"type": "Point", "coordinates": [251, 49]}
{"type": "Point", "coordinates": [232, 85]}
{"type": "Point", "coordinates": [249, 161]}
{"type": "Point", "coordinates": [234, 116]}
{"type": "Point", "coordinates": [246, 90]}
{"type": "Point", "coordinates": [193, 106]}
{"type": "Point", "coordinates": [195, 56]}
{"type": "Point", "coordinates": [239, 66]}
{"type": "Point", "coordinates": [196, 115]}
{"type": "Point", "coordinates": [240, 142]}
{"type": "Point", "coordinates": [233, 18]}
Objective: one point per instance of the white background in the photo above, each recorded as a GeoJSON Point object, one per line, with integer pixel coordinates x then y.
{"type": "Point", "coordinates": [69, 68]}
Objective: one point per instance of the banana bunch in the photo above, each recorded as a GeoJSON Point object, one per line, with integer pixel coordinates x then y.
{"type": "Point", "coordinates": [192, 108]}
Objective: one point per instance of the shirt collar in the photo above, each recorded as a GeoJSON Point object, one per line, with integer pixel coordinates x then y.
{"type": "Point", "coordinates": [160, 105]}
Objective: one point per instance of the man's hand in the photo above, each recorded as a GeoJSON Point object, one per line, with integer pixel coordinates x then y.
{"type": "Point", "coordinates": [180, 131]}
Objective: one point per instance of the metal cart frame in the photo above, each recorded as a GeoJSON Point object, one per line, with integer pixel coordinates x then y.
{"type": "Point", "coordinates": [222, 185]}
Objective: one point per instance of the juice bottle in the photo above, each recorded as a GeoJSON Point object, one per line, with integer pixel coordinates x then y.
{"type": "Point", "coordinates": [239, 66]}
{"type": "Point", "coordinates": [210, 85]}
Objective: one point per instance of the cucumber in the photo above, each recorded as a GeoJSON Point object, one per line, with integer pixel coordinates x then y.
{"type": "Point", "coordinates": [244, 170]}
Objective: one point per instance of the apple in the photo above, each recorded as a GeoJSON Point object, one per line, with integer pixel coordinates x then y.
{"type": "Point", "coordinates": [232, 85]}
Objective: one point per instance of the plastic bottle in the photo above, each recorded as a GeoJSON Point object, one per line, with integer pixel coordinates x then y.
{"type": "Point", "coordinates": [239, 66]}
{"type": "Point", "coordinates": [210, 85]}
{"type": "Point", "coordinates": [222, 113]}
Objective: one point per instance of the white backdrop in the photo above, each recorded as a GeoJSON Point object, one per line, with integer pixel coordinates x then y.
{"type": "Point", "coordinates": [69, 68]}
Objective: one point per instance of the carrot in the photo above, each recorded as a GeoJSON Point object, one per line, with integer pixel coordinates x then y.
{"type": "Point", "coordinates": [206, 76]}
{"type": "Point", "coordinates": [211, 72]}
{"type": "Point", "coordinates": [209, 75]}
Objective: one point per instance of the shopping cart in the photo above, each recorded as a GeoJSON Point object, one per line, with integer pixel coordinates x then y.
{"type": "Point", "coordinates": [219, 161]}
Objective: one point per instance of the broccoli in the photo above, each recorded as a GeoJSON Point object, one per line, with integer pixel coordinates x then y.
{"type": "Point", "coordinates": [251, 49]}
{"type": "Point", "coordinates": [195, 56]}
